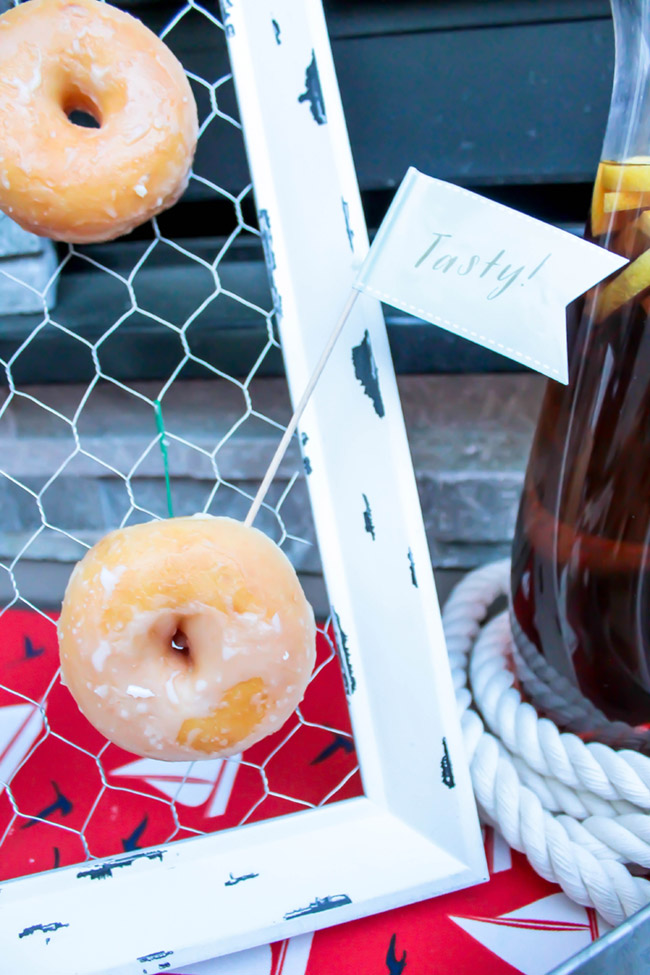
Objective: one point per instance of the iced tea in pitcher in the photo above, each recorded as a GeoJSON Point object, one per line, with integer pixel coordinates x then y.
{"type": "Point", "coordinates": [580, 600]}
{"type": "Point", "coordinates": [581, 560]}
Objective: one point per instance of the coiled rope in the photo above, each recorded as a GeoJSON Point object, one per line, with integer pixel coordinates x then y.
{"type": "Point", "coordinates": [579, 812]}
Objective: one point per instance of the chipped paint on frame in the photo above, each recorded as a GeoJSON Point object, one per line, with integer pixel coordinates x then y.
{"type": "Point", "coordinates": [349, 680]}
{"type": "Point", "coordinates": [306, 462]}
{"type": "Point", "coordinates": [226, 13]}
{"type": "Point", "coordinates": [105, 869]}
{"type": "Point", "coordinates": [155, 956]}
{"type": "Point", "coordinates": [313, 93]}
{"type": "Point", "coordinates": [319, 904]}
{"type": "Point", "coordinates": [233, 881]}
{"type": "Point", "coordinates": [348, 225]}
{"type": "Point", "coordinates": [446, 767]}
{"type": "Point", "coordinates": [43, 928]}
{"type": "Point", "coordinates": [269, 259]}
{"type": "Point", "coordinates": [414, 578]}
{"type": "Point", "coordinates": [365, 369]}
{"type": "Point", "coordinates": [368, 523]}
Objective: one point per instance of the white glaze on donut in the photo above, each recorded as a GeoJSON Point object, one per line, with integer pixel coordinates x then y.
{"type": "Point", "coordinates": [187, 638]}
{"type": "Point", "coordinates": [79, 184]}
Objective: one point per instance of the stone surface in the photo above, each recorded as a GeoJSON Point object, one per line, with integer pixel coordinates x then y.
{"type": "Point", "coordinates": [27, 264]}
{"type": "Point", "coordinates": [469, 438]}
{"type": "Point", "coordinates": [16, 242]}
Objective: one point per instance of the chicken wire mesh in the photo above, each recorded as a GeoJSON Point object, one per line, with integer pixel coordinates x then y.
{"type": "Point", "coordinates": [117, 450]}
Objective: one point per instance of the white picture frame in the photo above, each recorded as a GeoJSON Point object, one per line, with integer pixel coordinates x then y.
{"type": "Point", "coordinates": [415, 833]}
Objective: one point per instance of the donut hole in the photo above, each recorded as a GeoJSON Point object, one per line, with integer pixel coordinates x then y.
{"type": "Point", "coordinates": [81, 110]}
{"type": "Point", "coordinates": [168, 634]}
{"type": "Point", "coordinates": [83, 119]}
{"type": "Point", "coordinates": [180, 636]}
{"type": "Point", "coordinates": [180, 645]}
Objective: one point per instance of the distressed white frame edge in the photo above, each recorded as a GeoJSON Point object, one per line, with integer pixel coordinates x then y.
{"type": "Point", "coordinates": [282, 850]}
{"type": "Point", "coordinates": [270, 148]}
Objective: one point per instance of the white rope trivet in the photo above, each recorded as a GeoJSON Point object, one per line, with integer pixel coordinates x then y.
{"type": "Point", "coordinates": [579, 812]}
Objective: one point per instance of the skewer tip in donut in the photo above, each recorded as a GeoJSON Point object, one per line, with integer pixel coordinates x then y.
{"type": "Point", "coordinates": [189, 638]}
{"type": "Point", "coordinates": [77, 184]}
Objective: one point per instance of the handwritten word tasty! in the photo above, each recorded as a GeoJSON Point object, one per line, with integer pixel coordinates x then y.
{"type": "Point", "coordinates": [477, 265]}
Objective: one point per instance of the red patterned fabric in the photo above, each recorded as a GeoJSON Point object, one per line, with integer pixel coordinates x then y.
{"type": "Point", "coordinates": [92, 798]}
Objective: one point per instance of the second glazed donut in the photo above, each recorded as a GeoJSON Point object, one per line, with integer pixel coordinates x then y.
{"type": "Point", "coordinates": [77, 184]}
{"type": "Point", "coordinates": [185, 639]}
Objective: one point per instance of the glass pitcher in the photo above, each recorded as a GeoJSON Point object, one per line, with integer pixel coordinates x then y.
{"type": "Point", "coordinates": [580, 599]}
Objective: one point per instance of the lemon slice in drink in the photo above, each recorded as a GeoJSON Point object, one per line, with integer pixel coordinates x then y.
{"type": "Point", "coordinates": [631, 176]}
{"type": "Point", "coordinates": [625, 200]}
{"type": "Point", "coordinates": [633, 279]}
{"type": "Point", "coordinates": [604, 213]}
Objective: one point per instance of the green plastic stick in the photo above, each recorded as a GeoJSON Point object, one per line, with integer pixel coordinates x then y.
{"type": "Point", "coordinates": [163, 450]}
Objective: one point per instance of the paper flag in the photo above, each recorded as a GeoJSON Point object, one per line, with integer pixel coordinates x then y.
{"type": "Point", "coordinates": [482, 270]}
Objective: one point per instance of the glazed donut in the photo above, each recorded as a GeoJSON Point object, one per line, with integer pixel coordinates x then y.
{"type": "Point", "coordinates": [76, 184]}
{"type": "Point", "coordinates": [189, 638]}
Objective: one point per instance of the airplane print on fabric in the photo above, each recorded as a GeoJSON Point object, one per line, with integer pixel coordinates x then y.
{"type": "Point", "coordinates": [515, 923]}
{"type": "Point", "coordinates": [59, 778]}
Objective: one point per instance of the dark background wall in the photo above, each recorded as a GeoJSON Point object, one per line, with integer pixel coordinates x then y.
{"type": "Point", "coordinates": [509, 97]}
